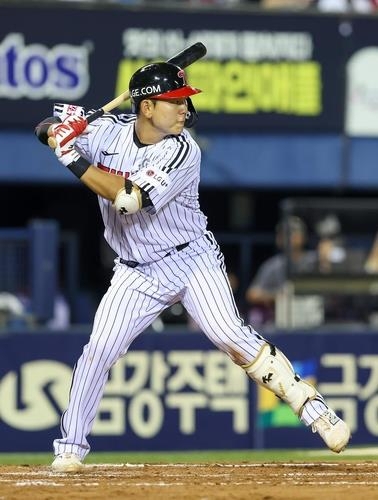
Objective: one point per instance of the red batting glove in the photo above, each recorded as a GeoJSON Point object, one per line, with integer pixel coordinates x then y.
{"type": "Point", "coordinates": [70, 128]}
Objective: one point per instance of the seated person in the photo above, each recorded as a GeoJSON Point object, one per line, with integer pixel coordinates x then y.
{"type": "Point", "coordinates": [371, 263]}
{"type": "Point", "coordinates": [287, 4]}
{"type": "Point", "coordinates": [330, 247]}
{"type": "Point", "coordinates": [361, 6]}
{"type": "Point", "coordinates": [335, 256]}
{"type": "Point", "coordinates": [272, 274]}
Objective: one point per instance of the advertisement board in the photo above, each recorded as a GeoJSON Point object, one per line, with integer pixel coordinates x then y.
{"type": "Point", "coordinates": [171, 391]}
{"type": "Point", "coordinates": [261, 72]}
{"type": "Point", "coordinates": [175, 391]}
{"type": "Point", "coordinates": [344, 367]}
{"type": "Point", "coordinates": [362, 79]}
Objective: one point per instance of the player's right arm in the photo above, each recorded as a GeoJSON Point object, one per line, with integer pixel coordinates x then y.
{"type": "Point", "coordinates": [127, 197]}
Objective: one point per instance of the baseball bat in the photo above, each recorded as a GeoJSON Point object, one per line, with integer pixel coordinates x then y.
{"type": "Point", "coordinates": [183, 59]}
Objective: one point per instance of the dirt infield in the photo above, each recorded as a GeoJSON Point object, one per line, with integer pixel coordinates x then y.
{"type": "Point", "coordinates": [269, 481]}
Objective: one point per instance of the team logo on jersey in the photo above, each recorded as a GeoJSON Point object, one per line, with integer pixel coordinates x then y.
{"type": "Point", "coordinates": [156, 178]}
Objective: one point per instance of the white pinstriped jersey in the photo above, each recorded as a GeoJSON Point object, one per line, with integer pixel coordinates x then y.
{"type": "Point", "coordinates": [195, 275]}
{"type": "Point", "coordinates": [168, 171]}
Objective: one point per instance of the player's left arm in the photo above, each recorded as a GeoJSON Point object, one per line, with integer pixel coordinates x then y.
{"type": "Point", "coordinates": [167, 177]}
{"type": "Point", "coordinates": [152, 187]}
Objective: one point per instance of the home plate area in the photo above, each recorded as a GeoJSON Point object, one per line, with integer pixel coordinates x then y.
{"type": "Point", "coordinates": [265, 481]}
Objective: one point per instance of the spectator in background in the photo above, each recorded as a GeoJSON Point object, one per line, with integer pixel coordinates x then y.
{"type": "Point", "coordinates": [224, 3]}
{"type": "Point", "coordinates": [371, 263]}
{"type": "Point", "coordinates": [335, 255]}
{"type": "Point", "coordinates": [331, 249]}
{"type": "Point", "coordinates": [338, 256]}
{"type": "Point", "coordinates": [61, 319]}
{"type": "Point", "coordinates": [361, 6]}
{"type": "Point", "coordinates": [271, 277]}
{"type": "Point", "coordinates": [11, 311]}
{"type": "Point", "coordinates": [288, 4]}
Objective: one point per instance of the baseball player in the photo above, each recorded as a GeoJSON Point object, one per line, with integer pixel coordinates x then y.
{"type": "Point", "coordinates": [145, 169]}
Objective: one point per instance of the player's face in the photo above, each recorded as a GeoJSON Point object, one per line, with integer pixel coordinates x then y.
{"type": "Point", "coordinates": [169, 115]}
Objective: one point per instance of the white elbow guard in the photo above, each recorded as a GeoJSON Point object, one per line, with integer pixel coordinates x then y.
{"type": "Point", "coordinates": [128, 199]}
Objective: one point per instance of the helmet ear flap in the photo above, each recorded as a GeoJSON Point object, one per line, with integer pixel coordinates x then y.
{"type": "Point", "coordinates": [191, 115]}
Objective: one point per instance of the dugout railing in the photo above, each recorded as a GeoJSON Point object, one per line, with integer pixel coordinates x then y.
{"type": "Point", "coordinates": [39, 261]}
{"type": "Point", "coordinates": [35, 262]}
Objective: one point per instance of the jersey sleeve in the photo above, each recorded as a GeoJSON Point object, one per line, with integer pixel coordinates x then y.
{"type": "Point", "coordinates": [90, 143]}
{"type": "Point", "coordinates": [85, 143]}
{"type": "Point", "coordinates": [170, 172]}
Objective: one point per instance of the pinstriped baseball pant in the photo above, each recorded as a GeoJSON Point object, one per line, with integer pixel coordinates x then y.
{"type": "Point", "coordinates": [195, 276]}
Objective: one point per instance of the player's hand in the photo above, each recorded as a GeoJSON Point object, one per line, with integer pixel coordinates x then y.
{"type": "Point", "coordinates": [69, 129]}
{"type": "Point", "coordinates": [70, 158]}
{"type": "Point", "coordinates": [66, 152]}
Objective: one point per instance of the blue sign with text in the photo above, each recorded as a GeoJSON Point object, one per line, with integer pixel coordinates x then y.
{"type": "Point", "coordinates": [175, 391]}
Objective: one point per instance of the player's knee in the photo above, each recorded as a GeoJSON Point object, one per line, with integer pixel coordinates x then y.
{"type": "Point", "coordinates": [100, 354]}
{"type": "Point", "coordinates": [272, 370]}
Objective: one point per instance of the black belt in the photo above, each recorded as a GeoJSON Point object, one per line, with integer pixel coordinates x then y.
{"type": "Point", "coordinates": [133, 263]}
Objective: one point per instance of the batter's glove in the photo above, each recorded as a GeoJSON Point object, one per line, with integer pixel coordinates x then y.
{"type": "Point", "coordinates": [65, 151]}
{"type": "Point", "coordinates": [68, 156]}
{"type": "Point", "coordinates": [69, 129]}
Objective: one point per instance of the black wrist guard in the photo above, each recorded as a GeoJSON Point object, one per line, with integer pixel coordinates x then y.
{"type": "Point", "coordinates": [79, 167]}
{"type": "Point", "coordinates": [146, 200]}
{"type": "Point", "coordinates": [42, 128]}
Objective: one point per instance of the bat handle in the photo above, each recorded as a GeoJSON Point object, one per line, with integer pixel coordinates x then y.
{"type": "Point", "coordinates": [96, 114]}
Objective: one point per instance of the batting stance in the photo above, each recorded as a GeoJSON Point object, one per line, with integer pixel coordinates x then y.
{"type": "Point", "coordinates": [145, 169]}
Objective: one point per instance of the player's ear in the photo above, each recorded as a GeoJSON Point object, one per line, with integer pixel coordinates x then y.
{"type": "Point", "coordinates": [146, 107]}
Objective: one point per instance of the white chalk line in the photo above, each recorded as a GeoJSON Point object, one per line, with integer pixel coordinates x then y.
{"type": "Point", "coordinates": [359, 452]}
{"type": "Point", "coordinates": [288, 478]}
{"type": "Point", "coordinates": [321, 473]}
{"type": "Point", "coordinates": [334, 483]}
{"type": "Point", "coordinates": [47, 470]}
{"type": "Point", "coordinates": [208, 483]}
{"type": "Point", "coordinates": [244, 465]}
{"type": "Point", "coordinates": [38, 483]}
{"type": "Point", "coordinates": [89, 467]}
{"type": "Point", "coordinates": [202, 475]}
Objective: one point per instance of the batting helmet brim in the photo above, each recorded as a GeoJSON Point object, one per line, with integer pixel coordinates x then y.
{"type": "Point", "coordinates": [185, 91]}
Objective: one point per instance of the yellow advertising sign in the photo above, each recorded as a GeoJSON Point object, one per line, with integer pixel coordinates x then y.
{"type": "Point", "coordinates": [239, 87]}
